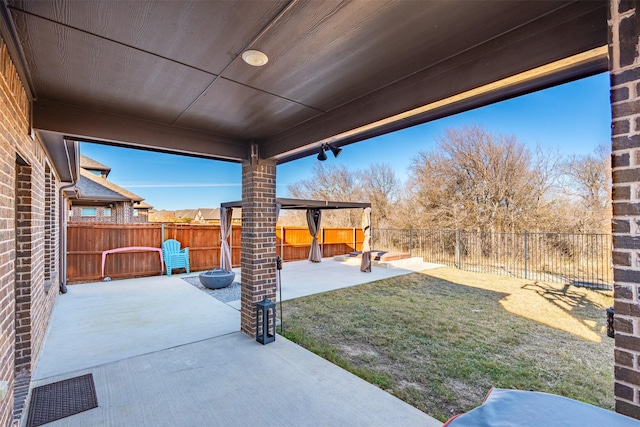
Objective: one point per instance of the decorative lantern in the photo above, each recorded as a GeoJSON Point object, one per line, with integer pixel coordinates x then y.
{"type": "Point", "coordinates": [265, 330]}
{"type": "Point", "coordinates": [610, 329]}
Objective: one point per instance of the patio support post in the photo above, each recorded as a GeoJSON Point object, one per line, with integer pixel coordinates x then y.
{"type": "Point", "coordinates": [258, 237]}
{"type": "Point", "coordinates": [624, 66]}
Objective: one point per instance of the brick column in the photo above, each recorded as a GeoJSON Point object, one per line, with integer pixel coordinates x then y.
{"type": "Point", "coordinates": [258, 238]}
{"type": "Point", "coordinates": [624, 64]}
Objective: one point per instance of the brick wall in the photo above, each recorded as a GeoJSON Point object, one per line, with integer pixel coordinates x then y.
{"type": "Point", "coordinates": [23, 201]}
{"type": "Point", "coordinates": [624, 64]}
{"type": "Point", "coordinates": [119, 214]}
{"type": "Point", "coordinates": [75, 215]}
{"type": "Point", "coordinates": [124, 213]}
{"type": "Point", "coordinates": [142, 217]}
{"type": "Point", "coordinates": [24, 264]}
{"type": "Point", "coordinates": [258, 239]}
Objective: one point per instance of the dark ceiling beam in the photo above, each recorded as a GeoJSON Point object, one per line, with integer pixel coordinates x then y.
{"type": "Point", "coordinates": [577, 28]}
{"type": "Point", "coordinates": [87, 125]}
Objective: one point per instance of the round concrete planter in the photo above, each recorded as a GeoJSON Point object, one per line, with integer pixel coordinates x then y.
{"type": "Point", "coordinates": [217, 278]}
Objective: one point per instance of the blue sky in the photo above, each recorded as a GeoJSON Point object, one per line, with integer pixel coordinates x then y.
{"type": "Point", "coordinates": [573, 118]}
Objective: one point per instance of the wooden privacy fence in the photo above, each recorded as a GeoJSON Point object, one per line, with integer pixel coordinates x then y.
{"type": "Point", "coordinates": [87, 241]}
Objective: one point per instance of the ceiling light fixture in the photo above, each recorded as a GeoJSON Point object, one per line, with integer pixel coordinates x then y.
{"type": "Point", "coordinates": [255, 58]}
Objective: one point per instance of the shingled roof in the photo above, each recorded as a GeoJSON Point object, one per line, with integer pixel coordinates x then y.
{"type": "Point", "coordinates": [93, 188]}
{"type": "Point", "coordinates": [90, 164]}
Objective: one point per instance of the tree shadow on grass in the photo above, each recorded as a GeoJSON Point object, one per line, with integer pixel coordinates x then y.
{"type": "Point", "coordinates": [588, 307]}
{"type": "Point", "coordinates": [441, 344]}
{"type": "Point", "coordinates": [578, 311]}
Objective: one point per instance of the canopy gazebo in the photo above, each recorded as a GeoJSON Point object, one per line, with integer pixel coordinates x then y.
{"type": "Point", "coordinates": [314, 210]}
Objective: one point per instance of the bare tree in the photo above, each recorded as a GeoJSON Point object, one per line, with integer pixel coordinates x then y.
{"type": "Point", "coordinates": [478, 181]}
{"type": "Point", "coordinates": [376, 185]}
{"type": "Point", "coordinates": [380, 185]}
{"type": "Point", "coordinates": [587, 186]}
{"type": "Point", "coordinates": [329, 182]}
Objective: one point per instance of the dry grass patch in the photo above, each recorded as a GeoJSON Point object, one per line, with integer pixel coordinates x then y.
{"type": "Point", "coordinates": [440, 339]}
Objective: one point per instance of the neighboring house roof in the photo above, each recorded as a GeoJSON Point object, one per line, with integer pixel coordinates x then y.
{"type": "Point", "coordinates": [142, 205]}
{"type": "Point", "coordinates": [235, 215]}
{"type": "Point", "coordinates": [161, 216]}
{"type": "Point", "coordinates": [186, 213]}
{"type": "Point", "coordinates": [96, 188]}
{"type": "Point", "coordinates": [93, 188]}
{"type": "Point", "coordinates": [90, 164]}
{"type": "Point", "coordinates": [213, 214]}
{"type": "Point", "coordinates": [206, 214]}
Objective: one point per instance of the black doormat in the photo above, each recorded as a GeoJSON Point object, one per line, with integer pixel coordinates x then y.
{"type": "Point", "coordinates": [61, 399]}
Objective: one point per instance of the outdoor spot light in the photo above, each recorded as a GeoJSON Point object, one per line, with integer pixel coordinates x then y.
{"type": "Point", "coordinates": [322, 156]}
{"type": "Point", "coordinates": [255, 58]}
{"type": "Point", "coordinates": [335, 150]}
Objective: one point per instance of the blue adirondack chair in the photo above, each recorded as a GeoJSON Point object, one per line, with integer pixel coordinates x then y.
{"type": "Point", "coordinates": [174, 258]}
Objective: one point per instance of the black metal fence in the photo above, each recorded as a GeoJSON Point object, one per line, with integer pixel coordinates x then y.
{"type": "Point", "coordinates": [578, 259]}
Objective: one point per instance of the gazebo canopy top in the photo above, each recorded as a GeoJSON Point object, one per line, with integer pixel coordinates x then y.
{"type": "Point", "coordinates": [306, 204]}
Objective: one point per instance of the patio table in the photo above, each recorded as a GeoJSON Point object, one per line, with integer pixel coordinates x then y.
{"type": "Point", "coordinates": [132, 249]}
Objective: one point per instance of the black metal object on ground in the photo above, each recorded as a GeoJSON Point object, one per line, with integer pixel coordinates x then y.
{"type": "Point", "coordinates": [611, 332]}
{"type": "Point", "coordinates": [61, 399]}
{"type": "Point", "coordinates": [279, 268]}
{"type": "Point", "coordinates": [265, 317]}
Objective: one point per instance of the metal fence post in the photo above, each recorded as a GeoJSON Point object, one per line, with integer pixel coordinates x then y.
{"type": "Point", "coordinates": [410, 241]}
{"type": "Point", "coordinates": [458, 249]}
{"type": "Point", "coordinates": [162, 234]}
{"type": "Point", "coordinates": [372, 244]}
{"type": "Point", "coordinates": [526, 254]}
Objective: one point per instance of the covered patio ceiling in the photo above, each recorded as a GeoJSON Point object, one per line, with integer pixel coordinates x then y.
{"type": "Point", "coordinates": [168, 75]}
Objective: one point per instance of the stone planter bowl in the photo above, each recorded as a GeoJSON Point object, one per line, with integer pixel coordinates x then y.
{"type": "Point", "coordinates": [217, 278]}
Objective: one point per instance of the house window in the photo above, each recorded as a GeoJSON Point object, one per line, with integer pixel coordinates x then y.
{"type": "Point", "coordinates": [136, 212]}
{"type": "Point", "coordinates": [88, 212]}
{"type": "Point", "coordinates": [107, 211]}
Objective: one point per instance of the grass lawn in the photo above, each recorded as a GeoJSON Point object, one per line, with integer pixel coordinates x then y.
{"type": "Point", "coordinates": [441, 338]}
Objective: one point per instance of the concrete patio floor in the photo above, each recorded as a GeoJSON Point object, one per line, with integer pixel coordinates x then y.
{"type": "Point", "coordinates": [163, 353]}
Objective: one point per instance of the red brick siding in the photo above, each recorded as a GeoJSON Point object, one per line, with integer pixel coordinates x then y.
{"type": "Point", "coordinates": [625, 106]}
{"type": "Point", "coordinates": [29, 194]}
